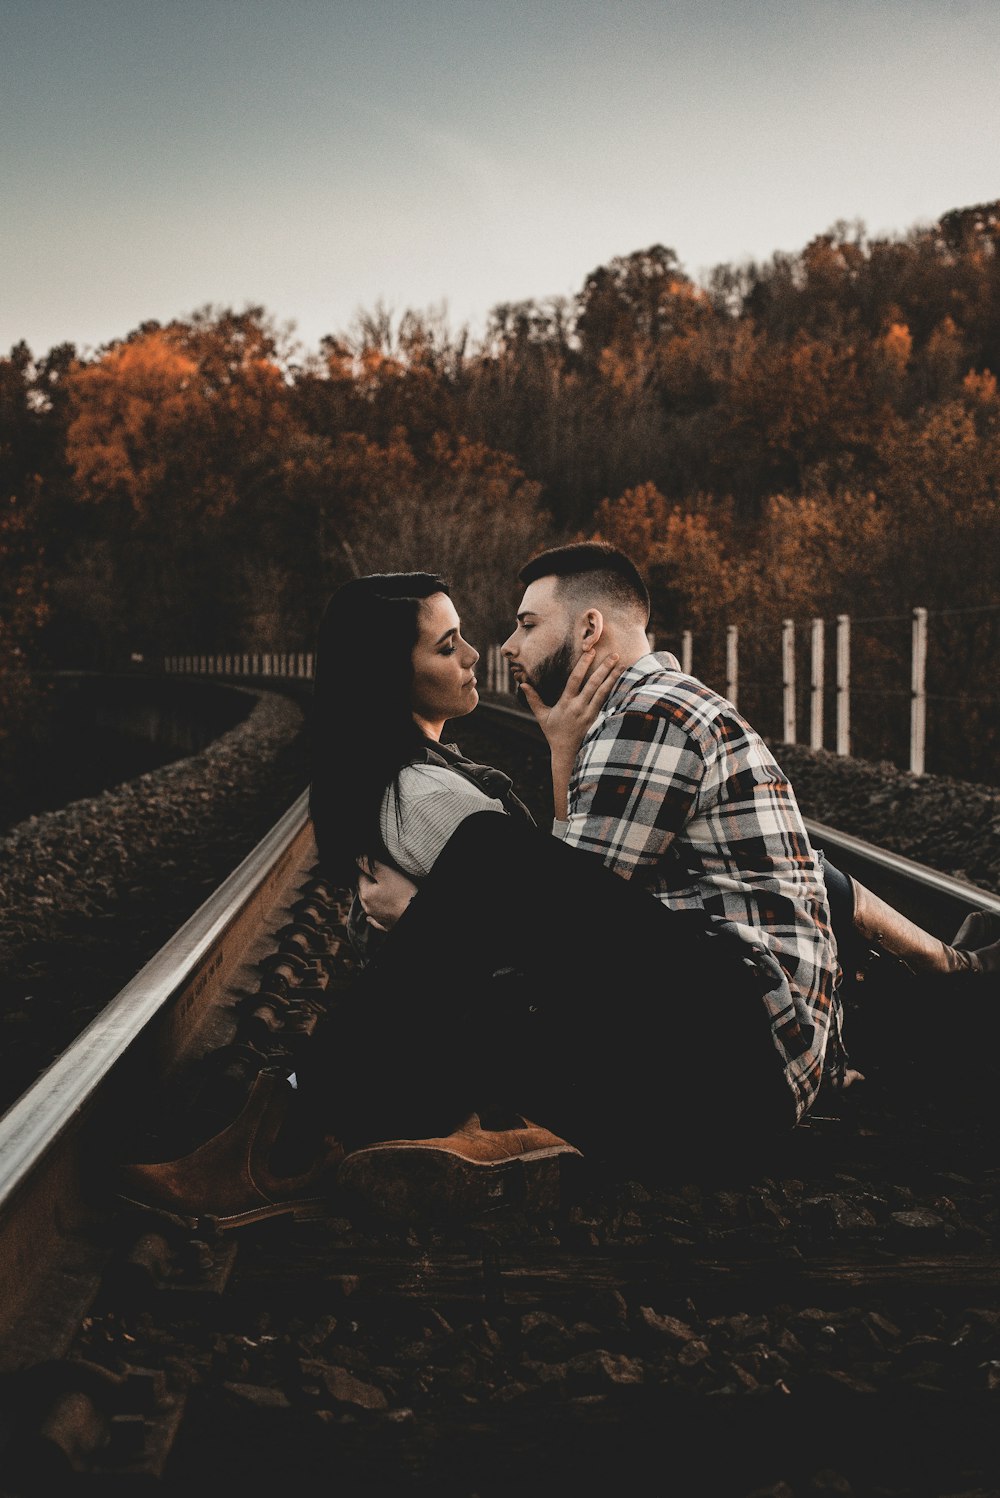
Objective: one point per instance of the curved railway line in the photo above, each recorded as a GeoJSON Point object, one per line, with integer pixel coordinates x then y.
{"type": "Point", "coordinates": [831, 1310]}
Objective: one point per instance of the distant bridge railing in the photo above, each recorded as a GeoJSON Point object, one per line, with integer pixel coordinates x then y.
{"type": "Point", "coordinates": [260, 663]}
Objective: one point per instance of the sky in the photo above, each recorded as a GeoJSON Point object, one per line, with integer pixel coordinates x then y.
{"type": "Point", "coordinates": [325, 157]}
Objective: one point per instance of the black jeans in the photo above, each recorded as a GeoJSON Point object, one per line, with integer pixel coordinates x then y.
{"type": "Point", "coordinates": [526, 974]}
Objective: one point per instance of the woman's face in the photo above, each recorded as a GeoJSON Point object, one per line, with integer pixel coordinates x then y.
{"type": "Point", "coordinates": [444, 682]}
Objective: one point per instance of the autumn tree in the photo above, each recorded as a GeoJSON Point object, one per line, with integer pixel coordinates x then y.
{"type": "Point", "coordinates": [171, 432]}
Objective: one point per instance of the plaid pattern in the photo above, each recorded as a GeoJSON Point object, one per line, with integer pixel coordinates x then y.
{"type": "Point", "coordinates": [673, 788]}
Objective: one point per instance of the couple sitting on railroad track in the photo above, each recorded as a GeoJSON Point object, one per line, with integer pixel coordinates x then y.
{"type": "Point", "coordinates": [657, 977]}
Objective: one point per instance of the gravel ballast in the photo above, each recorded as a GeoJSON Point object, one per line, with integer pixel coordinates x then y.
{"type": "Point", "coordinates": [90, 892]}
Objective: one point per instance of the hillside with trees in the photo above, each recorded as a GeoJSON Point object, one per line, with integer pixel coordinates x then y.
{"type": "Point", "coordinates": [814, 435]}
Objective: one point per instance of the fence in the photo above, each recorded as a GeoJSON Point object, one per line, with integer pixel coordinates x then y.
{"type": "Point", "coordinates": [297, 664]}
{"type": "Point", "coordinates": [908, 688]}
{"type": "Point", "coordinates": [912, 688]}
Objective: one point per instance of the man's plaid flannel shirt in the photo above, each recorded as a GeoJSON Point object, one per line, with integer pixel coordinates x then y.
{"type": "Point", "coordinates": [673, 787]}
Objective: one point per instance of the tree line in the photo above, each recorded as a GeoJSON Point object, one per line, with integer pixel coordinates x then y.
{"type": "Point", "coordinates": [813, 434]}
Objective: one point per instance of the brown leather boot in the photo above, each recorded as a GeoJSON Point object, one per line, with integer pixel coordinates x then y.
{"type": "Point", "coordinates": [884, 926]}
{"type": "Point", "coordinates": [476, 1169]}
{"type": "Point", "coordinates": [229, 1178]}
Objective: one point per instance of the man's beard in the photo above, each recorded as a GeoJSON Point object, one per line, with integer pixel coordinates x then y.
{"type": "Point", "coordinates": [550, 679]}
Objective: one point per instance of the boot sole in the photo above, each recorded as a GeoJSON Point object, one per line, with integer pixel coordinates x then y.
{"type": "Point", "coordinates": [412, 1183]}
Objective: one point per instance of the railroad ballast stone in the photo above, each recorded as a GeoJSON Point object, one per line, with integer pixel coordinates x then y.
{"type": "Point", "coordinates": [950, 825]}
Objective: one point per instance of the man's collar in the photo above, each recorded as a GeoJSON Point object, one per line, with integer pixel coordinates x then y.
{"type": "Point", "coordinates": [650, 664]}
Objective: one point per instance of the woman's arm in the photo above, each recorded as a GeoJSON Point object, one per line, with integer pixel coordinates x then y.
{"type": "Point", "coordinates": [434, 801]}
{"type": "Point", "coordinates": [565, 724]}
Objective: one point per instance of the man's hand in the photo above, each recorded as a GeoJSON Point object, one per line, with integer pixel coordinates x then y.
{"type": "Point", "coordinates": [384, 893]}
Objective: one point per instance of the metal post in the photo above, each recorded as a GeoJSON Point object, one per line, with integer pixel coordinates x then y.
{"type": "Point", "coordinates": [816, 687]}
{"type": "Point", "coordinates": [732, 662]}
{"type": "Point", "coordinates": [918, 693]}
{"type": "Point", "coordinates": [687, 640]}
{"type": "Point", "coordinates": [788, 678]}
{"type": "Point", "coordinates": [843, 684]}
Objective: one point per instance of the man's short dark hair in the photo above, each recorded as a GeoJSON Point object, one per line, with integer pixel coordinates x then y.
{"type": "Point", "coordinates": [591, 566]}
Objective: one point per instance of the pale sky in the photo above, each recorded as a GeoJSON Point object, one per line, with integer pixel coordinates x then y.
{"type": "Point", "coordinates": [323, 156]}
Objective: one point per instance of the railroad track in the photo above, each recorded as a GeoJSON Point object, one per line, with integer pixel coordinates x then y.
{"type": "Point", "coordinates": [861, 1257]}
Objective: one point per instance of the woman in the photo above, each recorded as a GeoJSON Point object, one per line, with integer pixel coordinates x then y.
{"type": "Point", "coordinates": [437, 1040]}
{"type": "Point", "coordinates": [385, 801]}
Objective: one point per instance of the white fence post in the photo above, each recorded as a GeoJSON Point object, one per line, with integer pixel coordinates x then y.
{"type": "Point", "coordinates": [816, 687]}
{"type": "Point", "coordinates": [918, 692]}
{"type": "Point", "coordinates": [843, 684]}
{"type": "Point", "coordinates": [732, 662]}
{"type": "Point", "coordinates": [788, 679]}
{"type": "Point", "coordinates": [686, 651]}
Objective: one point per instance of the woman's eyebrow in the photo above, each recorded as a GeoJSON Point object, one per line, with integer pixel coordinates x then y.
{"type": "Point", "coordinates": [447, 635]}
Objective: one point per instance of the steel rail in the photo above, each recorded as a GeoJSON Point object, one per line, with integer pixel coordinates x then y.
{"type": "Point", "coordinates": [151, 1022]}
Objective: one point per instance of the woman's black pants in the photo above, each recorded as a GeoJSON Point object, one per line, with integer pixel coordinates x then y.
{"type": "Point", "coordinates": [526, 975]}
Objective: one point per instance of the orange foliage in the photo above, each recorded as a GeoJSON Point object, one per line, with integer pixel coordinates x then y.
{"type": "Point", "coordinates": [172, 409]}
{"type": "Point", "coordinates": [981, 388]}
{"type": "Point", "coordinates": [897, 345]}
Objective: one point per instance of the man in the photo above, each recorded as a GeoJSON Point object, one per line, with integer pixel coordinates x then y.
{"type": "Point", "coordinates": [673, 788]}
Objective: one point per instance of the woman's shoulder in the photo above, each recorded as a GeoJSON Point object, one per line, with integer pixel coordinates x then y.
{"type": "Point", "coordinates": [424, 780]}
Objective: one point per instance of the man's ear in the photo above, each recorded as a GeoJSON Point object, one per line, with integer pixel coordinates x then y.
{"type": "Point", "coordinates": [592, 628]}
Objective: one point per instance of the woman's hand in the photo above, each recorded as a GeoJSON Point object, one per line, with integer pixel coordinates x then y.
{"type": "Point", "coordinates": [585, 693]}
{"type": "Point", "coordinates": [384, 893]}
{"type": "Point", "coordinates": [565, 723]}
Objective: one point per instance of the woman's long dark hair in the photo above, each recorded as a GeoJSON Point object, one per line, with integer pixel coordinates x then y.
{"type": "Point", "coordinates": [363, 731]}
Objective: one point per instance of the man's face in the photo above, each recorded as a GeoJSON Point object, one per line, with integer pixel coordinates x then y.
{"type": "Point", "coordinates": [541, 650]}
